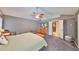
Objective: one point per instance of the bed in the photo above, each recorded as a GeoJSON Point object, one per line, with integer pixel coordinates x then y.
{"type": "Point", "coordinates": [24, 42]}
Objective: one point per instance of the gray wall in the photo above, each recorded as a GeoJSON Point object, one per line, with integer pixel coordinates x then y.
{"type": "Point", "coordinates": [64, 28]}
{"type": "Point", "coordinates": [20, 25]}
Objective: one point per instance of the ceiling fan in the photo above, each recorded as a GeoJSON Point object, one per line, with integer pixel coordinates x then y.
{"type": "Point", "coordinates": [42, 14]}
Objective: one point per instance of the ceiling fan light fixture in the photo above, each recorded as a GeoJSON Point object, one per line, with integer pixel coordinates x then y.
{"type": "Point", "coordinates": [38, 15]}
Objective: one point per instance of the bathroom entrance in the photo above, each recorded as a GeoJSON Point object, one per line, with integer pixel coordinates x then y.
{"type": "Point", "coordinates": [57, 28]}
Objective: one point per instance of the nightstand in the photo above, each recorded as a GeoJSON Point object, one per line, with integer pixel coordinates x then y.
{"type": "Point", "coordinates": [6, 33]}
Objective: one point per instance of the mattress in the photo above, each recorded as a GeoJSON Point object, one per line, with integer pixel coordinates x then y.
{"type": "Point", "coordinates": [24, 42]}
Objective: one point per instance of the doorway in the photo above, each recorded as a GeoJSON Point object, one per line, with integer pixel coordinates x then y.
{"type": "Point", "coordinates": [57, 28]}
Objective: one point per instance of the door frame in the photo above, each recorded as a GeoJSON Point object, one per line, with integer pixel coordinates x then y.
{"type": "Point", "coordinates": [60, 28]}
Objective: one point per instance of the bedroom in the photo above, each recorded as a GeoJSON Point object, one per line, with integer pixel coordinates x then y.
{"type": "Point", "coordinates": [19, 20]}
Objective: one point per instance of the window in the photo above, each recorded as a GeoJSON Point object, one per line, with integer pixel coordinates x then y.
{"type": "Point", "coordinates": [0, 22]}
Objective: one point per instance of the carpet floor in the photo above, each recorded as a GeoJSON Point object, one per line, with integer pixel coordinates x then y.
{"type": "Point", "coordinates": [57, 44]}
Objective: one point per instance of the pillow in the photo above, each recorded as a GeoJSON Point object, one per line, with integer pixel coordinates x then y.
{"type": "Point", "coordinates": [3, 40]}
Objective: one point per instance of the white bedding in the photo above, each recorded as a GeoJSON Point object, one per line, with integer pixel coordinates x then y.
{"type": "Point", "coordinates": [22, 42]}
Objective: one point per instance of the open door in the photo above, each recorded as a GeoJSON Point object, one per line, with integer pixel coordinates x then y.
{"type": "Point", "coordinates": [61, 29]}
{"type": "Point", "coordinates": [57, 27]}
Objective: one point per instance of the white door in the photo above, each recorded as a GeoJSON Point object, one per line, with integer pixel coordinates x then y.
{"type": "Point", "coordinates": [50, 28]}
{"type": "Point", "coordinates": [61, 29]}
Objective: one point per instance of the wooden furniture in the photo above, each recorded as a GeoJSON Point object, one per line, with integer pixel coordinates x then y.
{"type": "Point", "coordinates": [7, 33]}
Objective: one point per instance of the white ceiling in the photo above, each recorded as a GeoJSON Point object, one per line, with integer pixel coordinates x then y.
{"type": "Point", "coordinates": [26, 12]}
{"type": "Point", "coordinates": [63, 10]}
